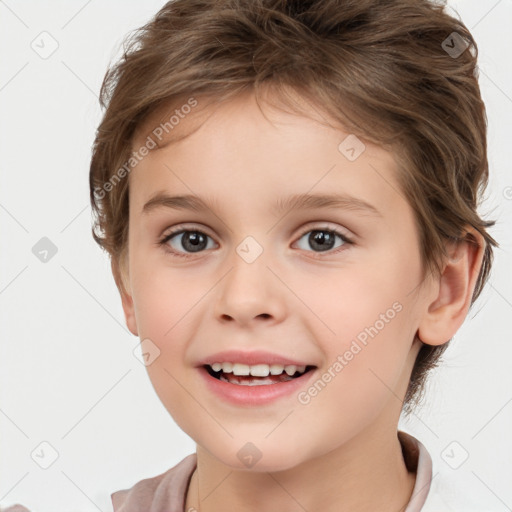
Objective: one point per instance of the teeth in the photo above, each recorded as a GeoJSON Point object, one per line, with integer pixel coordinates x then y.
{"type": "Point", "coordinates": [241, 369]}
{"type": "Point", "coordinates": [227, 367]}
{"type": "Point", "coordinates": [290, 370]}
{"type": "Point", "coordinates": [276, 369]}
{"type": "Point", "coordinates": [260, 370]}
{"type": "Point", "coordinates": [257, 370]}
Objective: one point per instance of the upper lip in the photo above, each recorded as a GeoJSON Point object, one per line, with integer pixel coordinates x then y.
{"type": "Point", "coordinates": [251, 358]}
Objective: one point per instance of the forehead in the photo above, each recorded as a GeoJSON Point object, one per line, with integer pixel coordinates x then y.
{"type": "Point", "coordinates": [214, 149]}
{"type": "Point", "coordinates": [180, 117]}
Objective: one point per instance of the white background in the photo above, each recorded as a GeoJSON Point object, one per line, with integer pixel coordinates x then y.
{"type": "Point", "coordinates": [68, 374]}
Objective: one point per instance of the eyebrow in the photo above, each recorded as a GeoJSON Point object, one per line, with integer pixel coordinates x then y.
{"type": "Point", "coordinates": [295, 202]}
{"type": "Point", "coordinates": [317, 201]}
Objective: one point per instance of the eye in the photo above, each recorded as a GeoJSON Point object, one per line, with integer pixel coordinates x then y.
{"type": "Point", "coordinates": [191, 241]}
{"type": "Point", "coordinates": [324, 239]}
{"type": "Point", "coordinates": [184, 243]}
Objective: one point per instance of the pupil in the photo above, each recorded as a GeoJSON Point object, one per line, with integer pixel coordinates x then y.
{"type": "Point", "coordinates": [323, 239]}
{"type": "Point", "coordinates": [193, 241]}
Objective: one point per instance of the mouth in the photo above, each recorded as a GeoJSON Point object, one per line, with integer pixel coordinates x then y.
{"type": "Point", "coordinates": [256, 375]}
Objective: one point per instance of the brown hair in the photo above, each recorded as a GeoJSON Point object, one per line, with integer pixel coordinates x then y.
{"type": "Point", "coordinates": [399, 73]}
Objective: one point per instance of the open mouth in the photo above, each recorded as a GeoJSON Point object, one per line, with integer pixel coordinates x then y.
{"type": "Point", "coordinates": [243, 375]}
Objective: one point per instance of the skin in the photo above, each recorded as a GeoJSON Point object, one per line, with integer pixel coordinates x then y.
{"type": "Point", "coordinates": [340, 451]}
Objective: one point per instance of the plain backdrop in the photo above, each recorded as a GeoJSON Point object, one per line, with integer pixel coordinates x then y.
{"type": "Point", "coordinates": [72, 393]}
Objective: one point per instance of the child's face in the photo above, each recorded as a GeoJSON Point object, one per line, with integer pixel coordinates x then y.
{"type": "Point", "coordinates": [294, 300]}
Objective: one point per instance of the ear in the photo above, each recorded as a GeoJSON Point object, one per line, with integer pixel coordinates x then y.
{"type": "Point", "coordinates": [452, 293]}
{"type": "Point", "coordinates": [120, 272]}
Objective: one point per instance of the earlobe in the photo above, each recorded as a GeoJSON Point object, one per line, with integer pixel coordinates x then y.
{"type": "Point", "coordinates": [126, 298]}
{"type": "Point", "coordinates": [454, 290]}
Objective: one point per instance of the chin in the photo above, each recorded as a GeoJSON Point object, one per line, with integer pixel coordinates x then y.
{"type": "Point", "coordinates": [253, 457]}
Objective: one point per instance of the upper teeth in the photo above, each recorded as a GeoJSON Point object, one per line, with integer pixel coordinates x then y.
{"type": "Point", "coordinates": [257, 370]}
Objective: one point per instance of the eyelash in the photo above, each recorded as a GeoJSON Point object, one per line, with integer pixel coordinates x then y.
{"type": "Point", "coordinates": [178, 231]}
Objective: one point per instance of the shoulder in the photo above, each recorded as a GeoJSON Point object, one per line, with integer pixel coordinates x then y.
{"type": "Point", "coordinates": [158, 494]}
{"type": "Point", "coordinates": [161, 493]}
{"type": "Point", "coordinates": [440, 488]}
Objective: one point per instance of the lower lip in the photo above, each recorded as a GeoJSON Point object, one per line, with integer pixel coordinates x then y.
{"type": "Point", "coordinates": [254, 395]}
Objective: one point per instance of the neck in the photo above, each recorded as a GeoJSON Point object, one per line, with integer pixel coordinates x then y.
{"type": "Point", "coordinates": [365, 474]}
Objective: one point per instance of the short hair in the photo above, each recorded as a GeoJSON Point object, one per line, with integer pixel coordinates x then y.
{"type": "Point", "coordinates": [400, 73]}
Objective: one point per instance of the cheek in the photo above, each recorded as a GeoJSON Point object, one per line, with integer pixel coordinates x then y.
{"type": "Point", "coordinates": [343, 304]}
{"type": "Point", "coordinates": [371, 328]}
{"type": "Point", "coordinates": [164, 303]}
{"type": "Point", "coordinates": [163, 300]}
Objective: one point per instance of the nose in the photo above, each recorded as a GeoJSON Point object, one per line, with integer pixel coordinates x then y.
{"type": "Point", "coordinates": [250, 293]}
